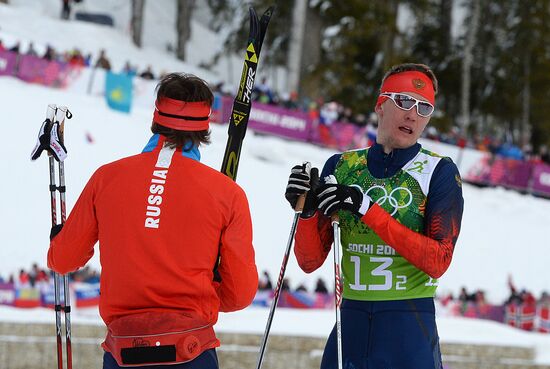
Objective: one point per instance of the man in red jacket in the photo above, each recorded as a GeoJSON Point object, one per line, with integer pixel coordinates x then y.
{"type": "Point", "coordinates": [175, 240]}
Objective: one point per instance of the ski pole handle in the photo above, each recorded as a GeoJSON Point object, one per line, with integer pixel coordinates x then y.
{"type": "Point", "coordinates": [62, 113]}
{"type": "Point", "coordinates": [300, 203]}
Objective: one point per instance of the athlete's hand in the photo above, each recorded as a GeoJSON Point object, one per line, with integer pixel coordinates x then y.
{"type": "Point", "coordinates": [333, 197]}
{"type": "Point", "coordinates": [303, 179]}
{"type": "Point", "coordinates": [55, 230]}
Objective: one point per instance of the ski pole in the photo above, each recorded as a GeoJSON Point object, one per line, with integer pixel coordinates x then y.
{"type": "Point", "coordinates": [337, 287]}
{"type": "Point", "coordinates": [335, 220]}
{"type": "Point", "coordinates": [63, 112]}
{"type": "Point", "coordinates": [297, 211]}
{"type": "Point", "coordinates": [50, 116]}
{"type": "Point", "coordinates": [54, 124]}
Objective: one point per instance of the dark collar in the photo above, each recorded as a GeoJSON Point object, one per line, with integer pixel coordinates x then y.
{"type": "Point", "coordinates": [385, 165]}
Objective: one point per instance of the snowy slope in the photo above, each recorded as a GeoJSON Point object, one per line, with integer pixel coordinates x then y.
{"type": "Point", "coordinates": [42, 25]}
{"type": "Point", "coordinates": [503, 232]}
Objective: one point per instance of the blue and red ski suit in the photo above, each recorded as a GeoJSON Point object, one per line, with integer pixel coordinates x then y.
{"type": "Point", "coordinates": [395, 333]}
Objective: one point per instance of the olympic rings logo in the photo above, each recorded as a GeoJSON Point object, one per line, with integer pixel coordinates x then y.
{"type": "Point", "coordinates": [390, 198]}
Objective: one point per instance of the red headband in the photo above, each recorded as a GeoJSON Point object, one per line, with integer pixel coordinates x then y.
{"type": "Point", "coordinates": [409, 81]}
{"type": "Point", "coordinates": [182, 115]}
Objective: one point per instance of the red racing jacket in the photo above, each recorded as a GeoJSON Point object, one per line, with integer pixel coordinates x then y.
{"type": "Point", "coordinates": [164, 221]}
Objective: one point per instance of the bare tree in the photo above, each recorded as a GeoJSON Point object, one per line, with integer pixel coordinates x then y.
{"type": "Point", "coordinates": [311, 53]}
{"type": "Point", "coordinates": [467, 64]}
{"type": "Point", "coordinates": [525, 127]}
{"type": "Point", "coordinates": [137, 21]}
{"type": "Point", "coordinates": [185, 12]}
{"type": "Point", "coordinates": [296, 45]}
{"type": "Point", "coordinates": [388, 39]}
{"type": "Point", "coordinates": [4, 1]}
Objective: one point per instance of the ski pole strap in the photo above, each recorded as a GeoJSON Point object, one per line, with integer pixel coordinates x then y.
{"type": "Point", "coordinates": [61, 189]}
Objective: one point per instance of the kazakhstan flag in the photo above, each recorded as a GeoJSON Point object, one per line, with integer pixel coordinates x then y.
{"type": "Point", "coordinates": [118, 91]}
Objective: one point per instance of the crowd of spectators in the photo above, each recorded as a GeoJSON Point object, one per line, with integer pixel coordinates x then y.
{"type": "Point", "coordinates": [77, 58]}
{"type": "Point", "coordinates": [265, 284]}
{"type": "Point", "coordinates": [325, 113]}
{"type": "Point", "coordinates": [37, 275]}
{"type": "Point", "coordinates": [478, 298]}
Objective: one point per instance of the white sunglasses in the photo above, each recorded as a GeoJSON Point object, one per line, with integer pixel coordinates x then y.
{"type": "Point", "coordinates": [407, 102]}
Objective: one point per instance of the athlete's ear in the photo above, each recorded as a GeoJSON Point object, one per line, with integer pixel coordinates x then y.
{"type": "Point", "coordinates": [378, 110]}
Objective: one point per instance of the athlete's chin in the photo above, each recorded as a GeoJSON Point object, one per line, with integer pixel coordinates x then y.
{"type": "Point", "coordinates": [404, 143]}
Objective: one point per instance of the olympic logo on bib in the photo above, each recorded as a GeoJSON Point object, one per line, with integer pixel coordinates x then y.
{"type": "Point", "coordinates": [391, 199]}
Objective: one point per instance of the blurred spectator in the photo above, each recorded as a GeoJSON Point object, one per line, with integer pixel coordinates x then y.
{"type": "Point", "coordinates": [147, 73]}
{"type": "Point", "coordinates": [286, 285]}
{"type": "Point", "coordinates": [313, 111]}
{"type": "Point", "coordinates": [33, 274]}
{"type": "Point", "coordinates": [128, 69]}
{"type": "Point", "coordinates": [65, 9]}
{"type": "Point", "coordinates": [346, 115]}
{"type": "Point", "coordinates": [49, 54]}
{"type": "Point", "coordinates": [218, 88]}
{"type": "Point", "coordinates": [291, 101]}
{"type": "Point", "coordinates": [2, 47]}
{"type": "Point", "coordinates": [16, 47]}
{"type": "Point", "coordinates": [102, 61]}
{"type": "Point", "coordinates": [514, 297]}
{"type": "Point", "coordinates": [544, 299]}
{"type": "Point", "coordinates": [265, 282]}
{"type": "Point", "coordinates": [93, 277]}
{"type": "Point", "coordinates": [544, 154]}
{"type": "Point", "coordinates": [360, 120]}
{"type": "Point", "coordinates": [23, 280]}
{"type": "Point", "coordinates": [447, 299]}
{"type": "Point", "coordinates": [321, 287]}
{"type": "Point", "coordinates": [327, 116]}
{"type": "Point", "coordinates": [76, 58]}
{"type": "Point", "coordinates": [262, 92]}
{"type": "Point", "coordinates": [507, 150]}
{"type": "Point", "coordinates": [464, 296]}
{"type": "Point", "coordinates": [328, 113]}
{"type": "Point", "coordinates": [301, 288]}
{"type": "Point", "coordinates": [88, 59]}
{"type": "Point", "coordinates": [31, 51]}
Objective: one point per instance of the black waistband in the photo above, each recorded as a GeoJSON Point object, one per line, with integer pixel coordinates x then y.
{"type": "Point", "coordinates": [418, 305]}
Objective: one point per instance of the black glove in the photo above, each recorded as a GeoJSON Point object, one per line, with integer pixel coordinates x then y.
{"type": "Point", "coordinates": [333, 197]}
{"type": "Point", "coordinates": [303, 179]}
{"type": "Point", "coordinates": [298, 183]}
{"type": "Point", "coordinates": [311, 203]}
{"type": "Point", "coordinates": [55, 230]}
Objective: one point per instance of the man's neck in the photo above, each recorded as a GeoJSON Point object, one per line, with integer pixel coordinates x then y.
{"type": "Point", "coordinates": [387, 149]}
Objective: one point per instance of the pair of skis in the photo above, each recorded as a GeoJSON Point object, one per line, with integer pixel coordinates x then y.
{"type": "Point", "coordinates": [242, 104]}
{"type": "Point", "coordinates": [52, 129]}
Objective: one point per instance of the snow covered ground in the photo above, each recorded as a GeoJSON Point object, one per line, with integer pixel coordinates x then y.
{"type": "Point", "coordinates": [503, 232]}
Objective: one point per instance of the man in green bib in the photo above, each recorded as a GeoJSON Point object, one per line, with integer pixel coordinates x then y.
{"type": "Point", "coordinates": [400, 209]}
